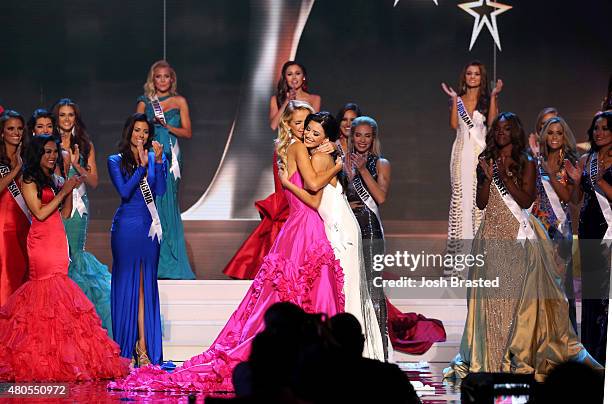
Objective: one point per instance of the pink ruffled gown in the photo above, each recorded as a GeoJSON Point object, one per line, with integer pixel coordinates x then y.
{"type": "Point", "coordinates": [300, 268]}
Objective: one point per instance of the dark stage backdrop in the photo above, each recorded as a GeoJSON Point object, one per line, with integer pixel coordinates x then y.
{"type": "Point", "coordinates": [388, 59]}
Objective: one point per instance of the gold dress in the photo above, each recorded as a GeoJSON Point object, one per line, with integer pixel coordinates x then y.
{"type": "Point", "coordinates": [523, 325]}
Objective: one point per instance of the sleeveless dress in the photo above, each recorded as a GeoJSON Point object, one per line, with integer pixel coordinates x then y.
{"type": "Point", "coordinates": [173, 259]}
{"type": "Point", "coordinates": [91, 275]}
{"type": "Point", "coordinates": [14, 226]}
{"type": "Point", "coordinates": [411, 333]}
{"type": "Point", "coordinates": [134, 251]}
{"type": "Point", "coordinates": [344, 234]}
{"type": "Point", "coordinates": [596, 264]}
{"type": "Point", "coordinates": [300, 268]}
{"type": "Point", "coordinates": [273, 212]}
{"type": "Point", "coordinates": [463, 216]}
{"type": "Point", "coordinates": [523, 325]}
{"type": "Point", "coordinates": [562, 239]}
{"type": "Point", "coordinates": [49, 330]}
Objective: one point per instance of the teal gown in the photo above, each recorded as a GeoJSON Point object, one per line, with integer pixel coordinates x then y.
{"type": "Point", "coordinates": [85, 270]}
{"type": "Point", "coordinates": [173, 260]}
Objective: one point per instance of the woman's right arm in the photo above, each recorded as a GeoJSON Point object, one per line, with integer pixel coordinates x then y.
{"type": "Point", "coordinates": [313, 181]}
{"type": "Point", "coordinates": [276, 112]}
{"type": "Point", "coordinates": [140, 107]}
{"type": "Point", "coordinates": [312, 200]}
{"type": "Point", "coordinates": [125, 188]}
{"type": "Point", "coordinates": [40, 211]}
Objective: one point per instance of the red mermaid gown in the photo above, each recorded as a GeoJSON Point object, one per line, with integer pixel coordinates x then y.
{"type": "Point", "coordinates": [14, 227]}
{"type": "Point", "coordinates": [273, 212]}
{"type": "Point", "coordinates": [49, 331]}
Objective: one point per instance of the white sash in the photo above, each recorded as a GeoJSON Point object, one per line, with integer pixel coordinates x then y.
{"type": "Point", "coordinates": [553, 198]}
{"type": "Point", "coordinates": [155, 229]}
{"type": "Point", "coordinates": [175, 169]}
{"type": "Point", "coordinates": [78, 204]}
{"type": "Point", "coordinates": [367, 199]}
{"type": "Point", "coordinates": [604, 204]}
{"type": "Point", "coordinates": [158, 111]}
{"type": "Point", "coordinates": [465, 117]}
{"type": "Point", "coordinates": [520, 214]}
{"type": "Point", "coordinates": [16, 193]}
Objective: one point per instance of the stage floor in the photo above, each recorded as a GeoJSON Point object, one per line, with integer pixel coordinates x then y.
{"type": "Point", "coordinates": [96, 392]}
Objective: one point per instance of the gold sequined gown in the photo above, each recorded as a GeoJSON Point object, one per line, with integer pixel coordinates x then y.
{"type": "Point", "coordinates": [523, 325]}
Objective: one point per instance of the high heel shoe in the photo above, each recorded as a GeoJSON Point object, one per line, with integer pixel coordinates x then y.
{"type": "Point", "coordinates": [142, 359]}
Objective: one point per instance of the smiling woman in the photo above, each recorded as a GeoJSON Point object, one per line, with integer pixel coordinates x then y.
{"type": "Point", "coordinates": [14, 214]}
{"type": "Point", "coordinates": [49, 318]}
{"type": "Point", "coordinates": [79, 155]}
{"type": "Point", "coordinates": [170, 114]}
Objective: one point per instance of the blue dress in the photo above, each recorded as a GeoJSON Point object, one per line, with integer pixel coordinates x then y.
{"type": "Point", "coordinates": [173, 260]}
{"type": "Point", "coordinates": [85, 270]}
{"type": "Point", "coordinates": [134, 250]}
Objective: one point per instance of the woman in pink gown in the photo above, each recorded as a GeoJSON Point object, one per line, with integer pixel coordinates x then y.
{"type": "Point", "coordinates": [300, 268]}
{"type": "Point", "coordinates": [49, 331]}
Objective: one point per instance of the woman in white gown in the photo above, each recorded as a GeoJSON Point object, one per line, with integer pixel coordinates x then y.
{"type": "Point", "coordinates": [471, 110]}
{"type": "Point", "coordinates": [341, 229]}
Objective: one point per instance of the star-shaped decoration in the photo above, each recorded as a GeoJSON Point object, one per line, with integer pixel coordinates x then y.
{"type": "Point", "coordinates": [487, 18]}
{"type": "Point", "coordinates": [397, 1]}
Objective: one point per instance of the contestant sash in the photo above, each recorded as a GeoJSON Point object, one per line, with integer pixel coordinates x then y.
{"type": "Point", "coordinates": [155, 229]}
{"type": "Point", "coordinates": [465, 117]}
{"type": "Point", "coordinates": [520, 214]}
{"type": "Point", "coordinates": [158, 111]}
{"type": "Point", "coordinates": [78, 204]}
{"type": "Point", "coordinates": [604, 204]}
{"type": "Point", "coordinates": [367, 199]}
{"type": "Point", "coordinates": [16, 193]}
{"type": "Point", "coordinates": [555, 203]}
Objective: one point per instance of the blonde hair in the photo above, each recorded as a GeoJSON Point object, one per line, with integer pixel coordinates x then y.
{"type": "Point", "coordinates": [283, 139]}
{"type": "Point", "coordinates": [149, 85]}
{"type": "Point", "coordinates": [375, 148]}
{"type": "Point", "coordinates": [569, 141]}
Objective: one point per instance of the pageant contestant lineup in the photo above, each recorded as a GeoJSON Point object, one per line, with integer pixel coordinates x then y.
{"type": "Point", "coordinates": [319, 243]}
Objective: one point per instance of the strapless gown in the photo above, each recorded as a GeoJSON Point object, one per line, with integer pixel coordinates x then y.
{"type": "Point", "coordinates": [49, 330]}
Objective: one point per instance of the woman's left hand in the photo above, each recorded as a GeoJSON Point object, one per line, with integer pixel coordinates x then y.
{"type": "Point", "coordinates": [498, 88]}
{"type": "Point", "coordinates": [158, 149]}
{"type": "Point", "coordinates": [359, 160]}
{"type": "Point", "coordinates": [326, 147]}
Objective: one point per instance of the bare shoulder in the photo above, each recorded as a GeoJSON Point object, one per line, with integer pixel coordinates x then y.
{"type": "Point", "coordinates": [180, 100]}
{"type": "Point", "coordinates": [383, 162]}
{"type": "Point", "coordinates": [321, 158]}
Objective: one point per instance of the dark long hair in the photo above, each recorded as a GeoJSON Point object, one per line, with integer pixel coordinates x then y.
{"type": "Point", "coordinates": [6, 115]}
{"type": "Point", "coordinates": [81, 137]}
{"type": "Point", "coordinates": [483, 90]}
{"type": "Point", "coordinates": [128, 163]}
{"type": "Point", "coordinates": [607, 115]}
{"type": "Point", "coordinates": [32, 172]}
{"type": "Point", "coordinates": [330, 126]}
{"type": "Point", "coordinates": [351, 106]}
{"type": "Point", "coordinates": [517, 138]}
{"type": "Point", "coordinates": [36, 115]}
{"type": "Point", "coordinates": [282, 86]}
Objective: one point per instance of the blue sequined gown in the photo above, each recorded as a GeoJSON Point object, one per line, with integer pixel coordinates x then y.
{"type": "Point", "coordinates": [173, 260]}
{"type": "Point", "coordinates": [85, 270]}
{"type": "Point", "coordinates": [134, 250]}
